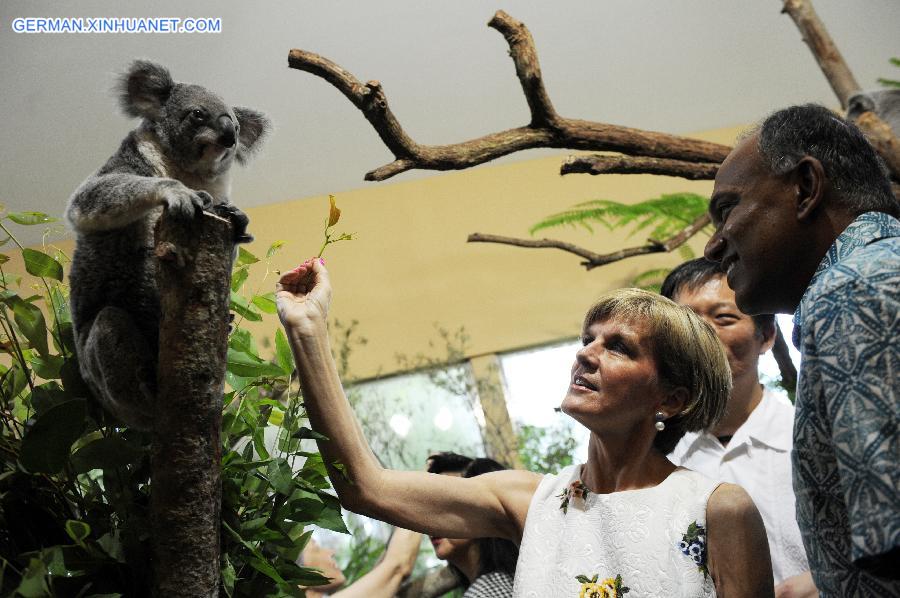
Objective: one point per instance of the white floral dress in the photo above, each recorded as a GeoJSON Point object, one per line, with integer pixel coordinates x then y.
{"type": "Point", "coordinates": [647, 542]}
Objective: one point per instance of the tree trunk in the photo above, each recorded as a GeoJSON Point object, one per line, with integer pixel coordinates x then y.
{"type": "Point", "coordinates": [193, 278]}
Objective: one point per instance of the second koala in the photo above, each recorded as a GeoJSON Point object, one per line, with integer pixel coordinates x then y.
{"type": "Point", "coordinates": [178, 159]}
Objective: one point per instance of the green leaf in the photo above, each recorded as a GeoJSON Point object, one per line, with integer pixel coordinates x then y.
{"type": "Point", "coordinates": [283, 354]}
{"type": "Point", "coordinates": [30, 218]}
{"type": "Point", "coordinates": [46, 396]}
{"type": "Point", "coordinates": [229, 576]}
{"type": "Point", "coordinates": [242, 308]}
{"type": "Point", "coordinates": [112, 452]}
{"type": "Point", "coordinates": [245, 258]}
{"type": "Point", "coordinates": [46, 445]}
{"type": "Point", "coordinates": [305, 432]}
{"type": "Point", "coordinates": [31, 322]}
{"type": "Point", "coordinates": [3, 257]}
{"type": "Point", "coordinates": [273, 248]}
{"type": "Point", "coordinates": [40, 264]}
{"type": "Point", "coordinates": [47, 367]}
{"type": "Point", "coordinates": [238, 278]}
{"type": "Point", "coordinates": [241, 340]}
{"type": "Point", "coordinates": [12, 382]}
{"type": "Point", "coordinates": [33, 584]}
{"type": "Point", "coordinates": [266, 303]}
{"type": "Point", "coordinates": [281, 476]}
{"type": "Point", "coordinates": [330, 518]}
{"type": "Point", "coordinates": [78, 530]}
{"type": "Point", "coordinates": [250, 366]}
{"type": "Point", "coordinates": [582, 579]}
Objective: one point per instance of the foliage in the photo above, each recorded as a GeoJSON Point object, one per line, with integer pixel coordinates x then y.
{"type": "Point", "coordinates": [74, 486]}
{"type": "Point", "coordinates": [667, 215]}
{"type": "Point", "coordinates": [546, 450]}
{"type": "Point", "coordinates": [890, 82]}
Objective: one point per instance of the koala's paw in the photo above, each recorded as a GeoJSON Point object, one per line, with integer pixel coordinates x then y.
{"type": "Point", "coordinates": [238, 219]}
{"type": "Point", "coordinates": [185, 203]}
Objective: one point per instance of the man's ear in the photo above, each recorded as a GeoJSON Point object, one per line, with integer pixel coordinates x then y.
{"type": "Point", "coordinates": [810, 182]}
{"type": "Point", "coordinates": [674, 402]}
{"type": "Point", "coordinates": [768, 336]}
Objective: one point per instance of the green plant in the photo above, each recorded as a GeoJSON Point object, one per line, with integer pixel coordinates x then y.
{"type": "Point", "coordinates": [74, 486]}
{"type": "Point", "coordinates": [546, 450]}
{"type": "Point", "coordinates": [890, 82]}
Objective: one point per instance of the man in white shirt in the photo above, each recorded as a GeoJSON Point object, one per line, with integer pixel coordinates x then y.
{"type": "Point", "coordinates": [751, 445]}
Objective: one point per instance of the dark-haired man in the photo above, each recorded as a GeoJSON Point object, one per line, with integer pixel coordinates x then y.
{"type": "Point", "coordinates": [751, 445]}
{"type": "Point", "coordinates": [806, 222]}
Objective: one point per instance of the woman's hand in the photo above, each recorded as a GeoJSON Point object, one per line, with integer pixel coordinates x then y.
{"type": "Point", "coordinates": [303, 296]}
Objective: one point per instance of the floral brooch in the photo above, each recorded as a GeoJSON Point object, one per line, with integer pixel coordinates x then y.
{"type": "Point", "coordinates": [693, 545]}
{"type": "Point", "coordinates": [576, 489]}
{"type": "Point", "coordinates": [611, 587]}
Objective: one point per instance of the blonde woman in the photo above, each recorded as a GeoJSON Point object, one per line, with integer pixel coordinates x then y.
{"type": "Point", "coordinates": [627, 520]}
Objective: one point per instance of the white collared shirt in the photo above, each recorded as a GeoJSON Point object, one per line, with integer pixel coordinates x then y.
{"type": "Point", "coordinates": [758, 458]}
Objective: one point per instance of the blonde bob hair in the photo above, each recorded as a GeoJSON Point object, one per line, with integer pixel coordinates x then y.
{"type": "Point", "coordinates": [687, 353]}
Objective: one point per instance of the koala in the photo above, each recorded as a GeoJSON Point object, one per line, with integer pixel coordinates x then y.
{"type": "Point", "coordinates": [179, 160]}
{"type": "Point", "coordinates": [883, 102]}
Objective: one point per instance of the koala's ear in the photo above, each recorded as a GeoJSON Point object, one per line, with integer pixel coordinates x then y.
{"type": "Point", "coordinates": [254, 127]}
{"type": "Point", "coordinates": [144, 89]}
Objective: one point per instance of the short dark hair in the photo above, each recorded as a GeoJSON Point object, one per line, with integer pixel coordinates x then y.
{"type": "Point", "coordinates": [852, 165]}
{"type": "Point", "coordinates": [693, 274]}
{"type": "Point", "coordinates": [495, 554]}
{"type": "Point", "coordinates": [448, 462]}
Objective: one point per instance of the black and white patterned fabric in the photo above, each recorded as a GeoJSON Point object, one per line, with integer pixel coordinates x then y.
{"type": "Point", "coordinates": [495, 584]}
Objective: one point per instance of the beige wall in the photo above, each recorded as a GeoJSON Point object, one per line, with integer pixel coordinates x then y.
{"type": "Point", "coordinates": [410, 267]}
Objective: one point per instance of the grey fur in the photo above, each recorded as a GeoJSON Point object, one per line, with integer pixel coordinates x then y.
{"type": "Point", "coordinates": [883, 102]}
{"type": "Point", "coordinates": [178, 159]}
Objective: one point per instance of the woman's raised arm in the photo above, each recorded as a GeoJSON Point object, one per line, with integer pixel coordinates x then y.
{"type": "Point", "coordinates": [490, 505]}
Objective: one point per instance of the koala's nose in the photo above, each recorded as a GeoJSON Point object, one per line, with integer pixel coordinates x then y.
{"type": "Point", "coordinates": [226, 137]}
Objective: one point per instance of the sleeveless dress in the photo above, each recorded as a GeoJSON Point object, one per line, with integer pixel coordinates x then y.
{"type": "Point", "coordinates": [646, 542]}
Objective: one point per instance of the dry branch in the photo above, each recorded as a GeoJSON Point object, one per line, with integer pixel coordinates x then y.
{"type": "Point", "coordinates": [694, 171]}
{"type": "Point", "coordinates": [546, 128]}
{"type": "Point", "coordinates": [823, 48]}
{"type": "Point", "coordinates": [194, 275]}
{"type": "Point", "coordinates": [842, 80]}
{"type": "Point", "coordinates": [592, 259]}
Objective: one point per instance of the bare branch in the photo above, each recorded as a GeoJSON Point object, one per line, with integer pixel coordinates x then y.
{"type": "Point", "coordinates": [694, 171]}
{"type": "Point", "coordinates": [546, 129]}
{"type": "Point", "coordinates": [592, 259]}
{"type": "Point", "coordinates": [823, 48]}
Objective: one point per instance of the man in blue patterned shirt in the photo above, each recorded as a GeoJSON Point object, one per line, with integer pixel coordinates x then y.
{"type": "Point", "coordinates": [806, 222]}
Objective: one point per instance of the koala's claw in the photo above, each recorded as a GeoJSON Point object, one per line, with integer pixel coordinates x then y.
{"type": "Point", "coordinates": [238, 219]}
{"type": "Point", "coordinates": [206, 200]}
{"type": "Point", "coordinates": [184, 203]}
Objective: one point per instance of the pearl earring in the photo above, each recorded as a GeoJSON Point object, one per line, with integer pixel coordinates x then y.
{"type": "Point", "coordinates": [660, 418]}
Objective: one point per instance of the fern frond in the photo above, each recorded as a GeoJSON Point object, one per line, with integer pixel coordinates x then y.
{"type": "Point", "coordinates": [666, 215]}
{"type": "Point", "coordinates": [651, 280]}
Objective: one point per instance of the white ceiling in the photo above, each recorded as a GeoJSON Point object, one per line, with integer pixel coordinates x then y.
{"type": "Point", "coordinates": [675, 65]}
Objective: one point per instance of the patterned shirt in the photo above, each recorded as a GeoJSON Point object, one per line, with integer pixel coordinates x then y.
{"type": "Point", "coordinates": [496, 584]}
{"type": "Point", "coordinates": [846, 444]}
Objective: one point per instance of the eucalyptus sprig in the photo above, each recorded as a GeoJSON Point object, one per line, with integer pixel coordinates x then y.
{"type": "Point", "coordinates": [334, 214]}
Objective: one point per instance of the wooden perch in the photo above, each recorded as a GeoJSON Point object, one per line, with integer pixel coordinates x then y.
{"type": "Point", "coordinates": [546, 129]}
{"type": "Point", "coordinates": [193, 277]}
{"type": "Point", "coordinates": [592, 259]}
{"type": "Point", "coordinates": [694, 171]}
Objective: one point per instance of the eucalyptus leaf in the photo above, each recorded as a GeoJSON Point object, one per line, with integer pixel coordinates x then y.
{"type": "Point", "coordinates": [47, 367]}
{"type": "Point", "coordinates": [250, 366]}
{"type": "Point", "coordinates": [30, 320]}
{"type": "Point", "coordinates": [38, 263]}
{"type": "Point", "coordinates": [240, 306]}
{"type": "Point", "coordinates": [238, 278]}
{"type": "Point", "coordinates": [78, 530]}
{"type": "Point", "coordinates": [30, 218]}
{"type": "Point", "coordinates": [245, 258]}
{"type": "Point", "coordinates": [283, 354]}
{"type": "Point", "coordinates": [45, 447]}
{"type": "Point", "coordinates": [266, 303]}
{"type": "Point", "coordinates": [111, 452]}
